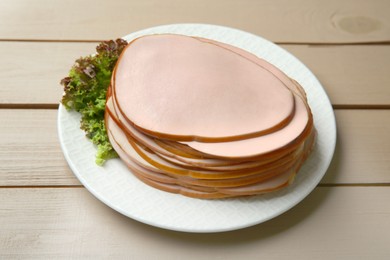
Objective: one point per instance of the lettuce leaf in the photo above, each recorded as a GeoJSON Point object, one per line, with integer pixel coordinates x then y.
{"type": "Point", "coordinates": [85, 90]}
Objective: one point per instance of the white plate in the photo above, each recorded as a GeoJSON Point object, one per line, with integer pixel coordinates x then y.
{"type": "Point", "coordinates": [115, 186]}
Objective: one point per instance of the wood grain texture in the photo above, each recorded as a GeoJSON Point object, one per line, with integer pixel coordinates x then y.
{"type": "Point", "coordinates": [31, 72]}
{"type": "Point", "coordinates": [303, 21]}
{"type": "Point", "coordinates": [332, 223]}
{"type": "Point", "coordinates": [352, 75]}
{"type": "Point", "coordinates": [363, 148]}
{"type": "Point", "coordinates": [30, 153]}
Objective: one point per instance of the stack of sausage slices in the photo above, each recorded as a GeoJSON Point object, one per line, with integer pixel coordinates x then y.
{"type": "Point", "coordinates": [205, 119]}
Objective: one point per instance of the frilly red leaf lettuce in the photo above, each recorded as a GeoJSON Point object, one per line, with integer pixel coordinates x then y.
{"type": "Point", "coordinates": [85, 91]}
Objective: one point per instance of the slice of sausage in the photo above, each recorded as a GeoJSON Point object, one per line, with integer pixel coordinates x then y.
{"type": "Point", "coordinates": [255, 147]}
{"type": "Point", "coordinates": [226, 159]}
{"type": "Point", "coordinates": [197, 160]}
{"type": "Point", "coordinates": [179, 88]}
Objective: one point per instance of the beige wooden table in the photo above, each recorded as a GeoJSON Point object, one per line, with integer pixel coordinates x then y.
{"type": "Point", "coordinates": [46, 213]}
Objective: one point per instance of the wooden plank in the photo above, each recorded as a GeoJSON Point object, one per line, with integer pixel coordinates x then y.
{"type": "Point", "coordinates": [305, 21]}
{"type": "Point", "coordinates": [29, 149]}
{"type": "Point", "coordinates": [332, 223]}
{"type": "Point", "coordinates": [31, 72]}
{"type": "Point", "coordinates": [352, 75]}
{"type": "Point", "coordinates": [30, 153]}
{"type": "Point", "coordinates": [363, 147]}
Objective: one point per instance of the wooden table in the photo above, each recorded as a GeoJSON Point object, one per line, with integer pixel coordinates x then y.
{"type": "Point", "coordinates": [46, 213]}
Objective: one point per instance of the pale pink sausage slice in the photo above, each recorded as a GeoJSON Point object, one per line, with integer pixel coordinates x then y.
{"type": "Point", "coordinates": [152, 162]}
{"type": "Point", "coordinates": [179, 88]}
{"type": "Point", "coordinates": [262, 144]}
{"type": "Point", "coordinates": [203, 162]}
{"type": "Point", "coordinates": [170, 168]}
{"type": "Point", "coordinates": [251, 149]}
{"type": "Point", "coordinates": [280, 75]}
{"type": "Point", "coordinates": [265, 143]}
{"type": "Point", "coordinates": [241, 166]}
{"type": "Point", "coordinates": [151, 144]}
{"type": "Point", "coordinates": [135, 162]}
{"type": "Point", "coordinates": [173, 185]}
{"type": "Point", "coordinates": [273, 184]}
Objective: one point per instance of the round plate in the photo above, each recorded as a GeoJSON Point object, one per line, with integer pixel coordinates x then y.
{"type": "Point", "coordinates": [115, 186]}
